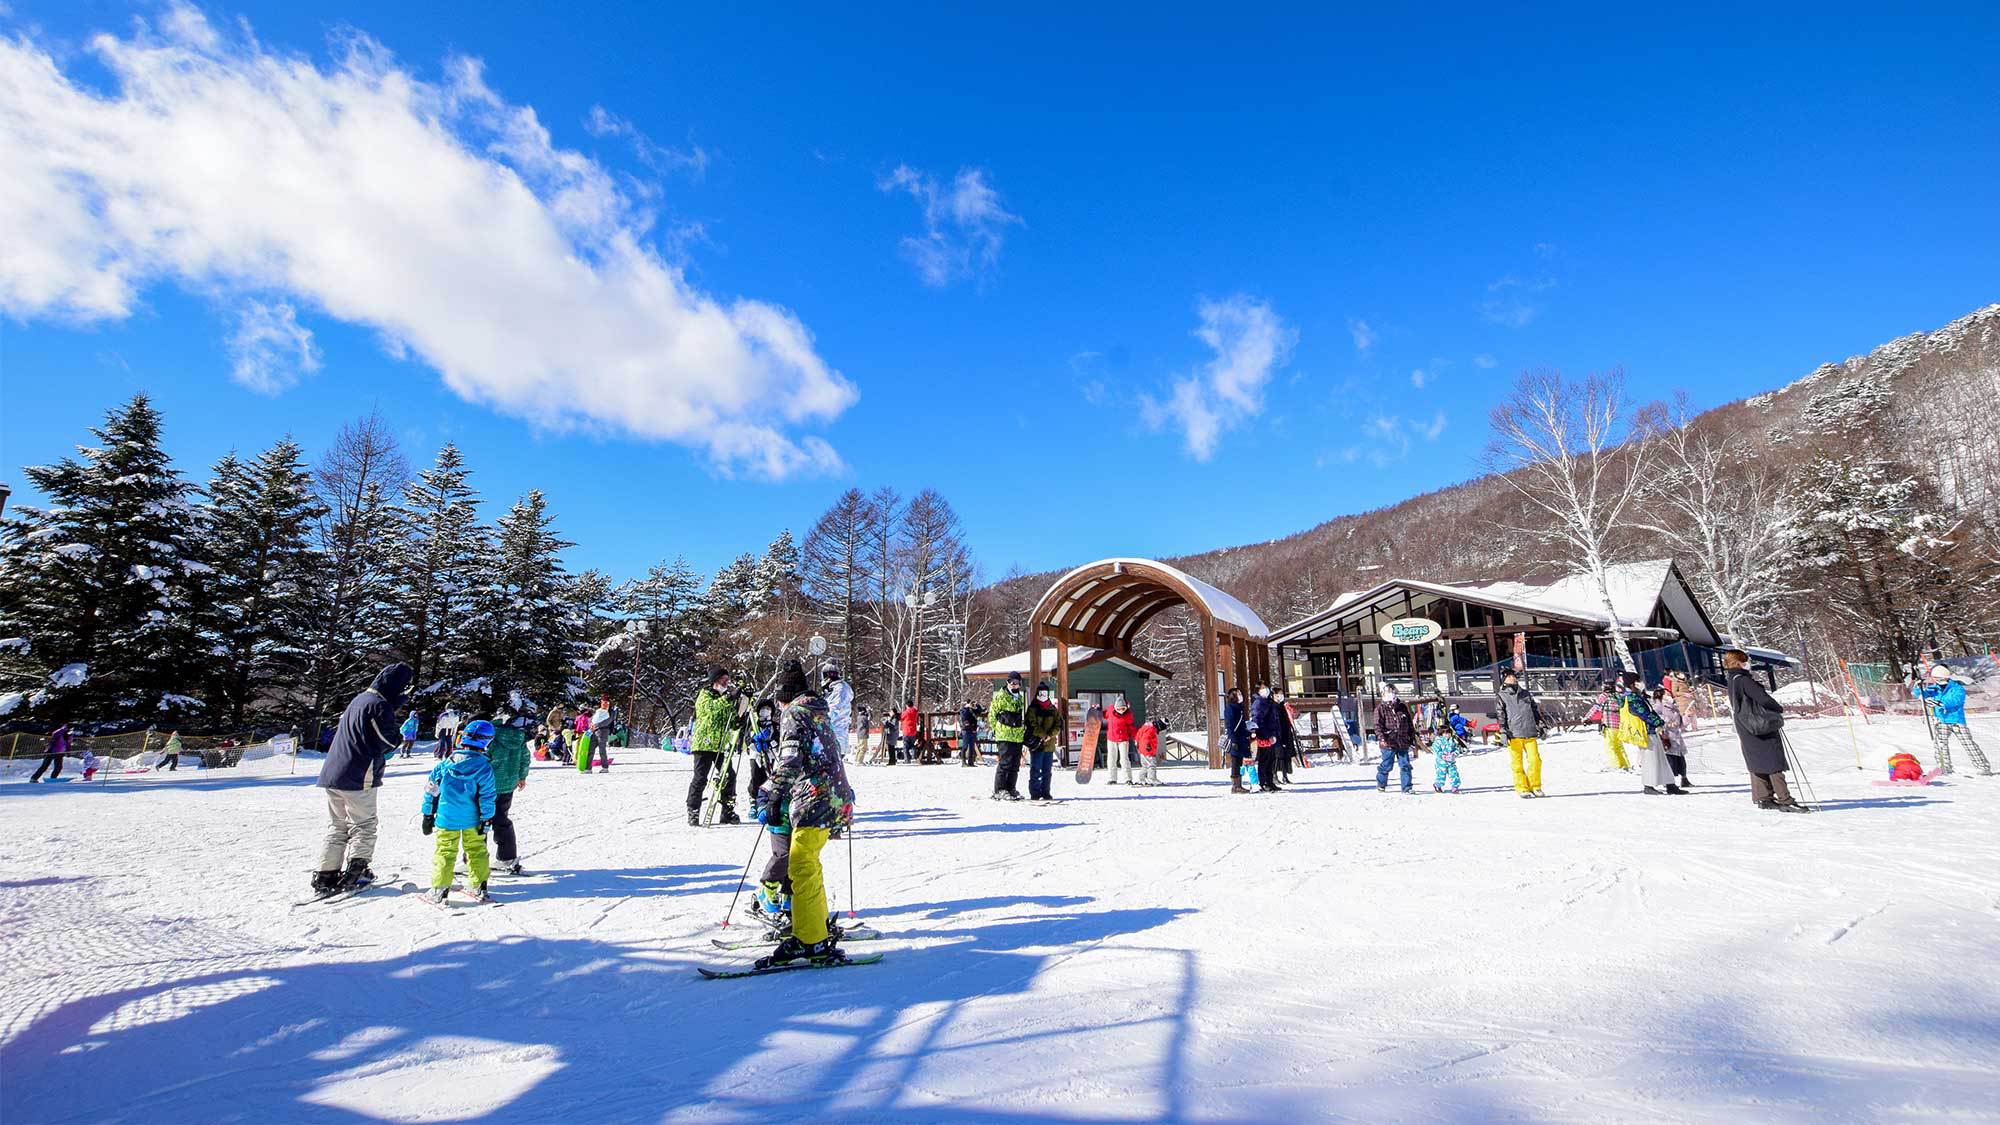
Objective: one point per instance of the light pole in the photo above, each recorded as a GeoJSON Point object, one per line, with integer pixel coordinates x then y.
{"type": "Point", "coordinates": [918, 606]}
{"type": "Point", "coordinates": [5, 492]}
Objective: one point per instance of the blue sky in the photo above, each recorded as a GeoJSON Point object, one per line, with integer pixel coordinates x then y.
{"type": "Point", "coordinates": [693, 272]}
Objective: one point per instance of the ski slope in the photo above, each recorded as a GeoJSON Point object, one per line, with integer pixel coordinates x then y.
{"type": "Point", "coordinates": [1173, 954]}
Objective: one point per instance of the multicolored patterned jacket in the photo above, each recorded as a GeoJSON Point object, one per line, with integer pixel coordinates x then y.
{"type": "Point", "coordinates": [808, 786]}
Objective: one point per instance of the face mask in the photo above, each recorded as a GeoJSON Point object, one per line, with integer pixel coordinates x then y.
{"type": "Point", "coordinates": [1042, 696]}
{"type": "Point", "coordinates": [1264, 692]}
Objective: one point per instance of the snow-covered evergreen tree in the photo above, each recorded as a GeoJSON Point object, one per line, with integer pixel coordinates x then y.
{"type": "Point", "coordinates": [97, 588]}
{"type": "Point", "coordinates": [436, 569]}
{"type": "Point", "coordinates": [256, 537]}
{"type": "Point", "coordinates": [590, 605]}
{"type": "Point", "coordinates": [663, 648]}
{"type": "Point", "coordinates": [529, 652]}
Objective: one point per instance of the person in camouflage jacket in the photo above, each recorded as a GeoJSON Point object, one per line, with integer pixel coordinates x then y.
{"type": "Point", "coordinates": [809, 793]}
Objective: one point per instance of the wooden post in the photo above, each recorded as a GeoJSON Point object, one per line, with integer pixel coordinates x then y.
{"type": "Point", "coordinates": [1062, 699]}
{"type": "Point", "coordinates": [1210, 671]}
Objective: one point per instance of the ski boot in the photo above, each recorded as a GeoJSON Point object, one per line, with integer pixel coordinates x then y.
{"type": "Point", "coordinates": [729, 817]}
{"type": "Point", "coordinates": [326, 883]}
{"type": "Point", "coordinates": [356, 876]}
{"type": "Point", "coordinates": [436, 895]}
{"type": "Point", "coordinates": [694, 820]}
{"type": "Point", "coordinates": [791, 949]}
{"type": "Point", "coordinates": [478, 894]}
{"type": "Point", "coordinates": [511, 867]}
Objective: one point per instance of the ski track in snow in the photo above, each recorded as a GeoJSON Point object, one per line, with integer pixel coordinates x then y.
{"type": "Point", "coordinates": [1171, 954]}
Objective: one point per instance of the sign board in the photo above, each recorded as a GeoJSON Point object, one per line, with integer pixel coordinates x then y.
{"type": "Point", "coordinates": [1412, 631]}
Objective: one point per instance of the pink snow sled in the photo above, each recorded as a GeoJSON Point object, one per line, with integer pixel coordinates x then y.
{"type": "Point", "coordinates": [1928, 779]}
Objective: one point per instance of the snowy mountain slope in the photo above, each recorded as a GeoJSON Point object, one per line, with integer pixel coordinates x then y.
{"type": "Point", "coordinates": [1129, 955]}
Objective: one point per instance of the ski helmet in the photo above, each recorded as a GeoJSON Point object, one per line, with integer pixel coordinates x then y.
{"type": "Point", "coordinates": [1940, 673]}
{"type": "Point", "coordinates": [476, 734]}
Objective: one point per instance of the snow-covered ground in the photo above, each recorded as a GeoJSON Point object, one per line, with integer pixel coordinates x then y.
{"type": "Point", "coordinates": [1135, 955]}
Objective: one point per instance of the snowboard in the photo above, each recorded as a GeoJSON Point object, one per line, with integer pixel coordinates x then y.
{"type": "Point", "coordinates": [793, 966]}
{"type": "Point", "coordinates": [1093, 731]}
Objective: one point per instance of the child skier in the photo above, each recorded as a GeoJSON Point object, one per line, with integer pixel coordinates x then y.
{"type": "Point", "coordinates": [1445, 747]}
{"type": "Point", "coordinates": [1945, 697]}
{"type": "Point", "coordinates": [458, 803]}
{"type": "Point", "coordinates": [1903, 766]}
{"type": "Point", "coordinates": [409, 734]}
{"type": "Point", "coordinates": [1149, 752]}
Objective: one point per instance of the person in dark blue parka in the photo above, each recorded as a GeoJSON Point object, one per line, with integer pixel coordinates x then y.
{"type": "Point", "coordinates": [367, 735]}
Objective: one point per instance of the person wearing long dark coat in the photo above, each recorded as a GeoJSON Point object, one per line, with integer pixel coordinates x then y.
{"type": "Point", "coordinates": [1236, 734]}
{"type": "Point", "coordinates": [1752, 709]}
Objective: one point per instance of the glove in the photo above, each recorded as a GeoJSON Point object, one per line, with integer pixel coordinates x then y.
{"type": "Point", "coordinates": [482, 828]}
{"type": "Point", "coordinates": [430, 822]}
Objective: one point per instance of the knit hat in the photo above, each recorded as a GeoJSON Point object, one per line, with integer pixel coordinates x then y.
{"type": "Point", "coordinates": [791, 681]}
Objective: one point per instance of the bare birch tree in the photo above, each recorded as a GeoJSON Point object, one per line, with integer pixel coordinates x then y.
{"type": "Point", "coordinates": [837, 571]}
{"type": "Point", "coordinates": [1579, 452]}
{"type": "Point", "coordinates": [1715, 504]}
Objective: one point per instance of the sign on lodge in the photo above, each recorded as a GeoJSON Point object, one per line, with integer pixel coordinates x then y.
{"type": "Point", "coordinates": [1412, 631]}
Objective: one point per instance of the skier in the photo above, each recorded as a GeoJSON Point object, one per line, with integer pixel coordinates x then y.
{"type": "Point", "coordinates": [52, 755]}
{"type": "Point", "coordinates": [1236, 732]}
{"type": "Point", "coordinates": [1460, 728]}
{"type": "Point", "coordinates": [1288, 739]}
{"type": "Point", "coordinates": [1120, 726]}
{"type": "Point", "coordinates": [1445, 747]}
{"type": "Point", "coordinates": [170, 755]}
{"type": "Point", "coordinates": [1397, 732]}
{"type": "Point", "coordinates": [968, 734]}
{"type": "Point", "coordinates": [459, 802]}
{"type": "Point", "coordinates": [1045, 725]}
{"type": "Point", "coordinates": [600, 734]}
{"type": "Point", "coordinates": [714, 737]}
{"type": "Point", "coordinates": [1639, 725]}
{"type": "Point", "coordinates": [351, 774]}
{"type": "Point", "coordinates": [508, 753]}
{"type": "Point", "coordinates": [1605, 711]}
{"type": "Point", "coordinates": [1673, 734]}
{"type": "Point", "coordinates": [839, 703]}
{"type": "Point", "coordinates": [1760, 722]}
{"type": "Point", "coordinates": [1266, 725]}
{"type": "Point", "coordinates": [409, 733]}
{"type": "Point", "coordinates": [1009, 732]}
{"type": "Point", "coordinates": [1148, 739]}
{"type": "Point", "coordinates": [764, 743]}
{"type": "Point", "coordinates": [447, 732]}
{"type": "Point", "coordinates": [1521, 724]}
{"type": "Point", "coordinates": [908, 723]}
{"type": "Point", "coordinates": [1945, 697]}
{"type": "Point", "coordinates": [809, 787]}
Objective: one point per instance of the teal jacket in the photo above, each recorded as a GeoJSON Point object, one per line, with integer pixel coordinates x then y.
{"type": "Point", "coordinates": [460, 791]}
{"type": "Point", "coordinates": [509, 755]}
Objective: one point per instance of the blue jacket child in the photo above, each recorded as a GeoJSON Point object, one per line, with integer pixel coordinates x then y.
{"type": "Point", "coordinates": [458, 802]}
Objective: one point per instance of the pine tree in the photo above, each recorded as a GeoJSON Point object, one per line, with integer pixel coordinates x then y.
{"type": "Point", "coordinates": [256, 532]}
{"type": "Point", "coordinates": [436, 573]}
{"type": "Point", "coordinates": [97, 588]}
{"type": "Point", "coordinates": [529, 650]}
{"type": "Point", "coordinates": [347, 614]}
{"type": "Point", "coordinates": [670, 630]}
{"type": "Point", "coordinates": [590, 603]}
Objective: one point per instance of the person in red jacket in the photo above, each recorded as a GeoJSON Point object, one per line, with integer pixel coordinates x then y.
{"type": "Point", "coordinates": [1905, 767]}
{"type": "Point", "coordinates": [908, 723]}
{"type": "Point", "coordinates": [1148, 738]}
{"type": "Point", "coordinates": [1120, 724]}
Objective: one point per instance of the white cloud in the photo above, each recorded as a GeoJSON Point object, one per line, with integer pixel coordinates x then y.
{"type": "Point", "coordinates": [435, 214]}
{"type": "Point", "coordinates": [1515, 299]}
{"type": "Point", "coordinates": [1435, 429]}
{"type": "Point", "coordinates": [1389, 436]}
{"type": "Point", "coordinates": [1419, 377]}
{"type": "Point", "coordinates": [1364, 336]}
{"type": "Point", "coordinates": [270, 350]}
{"type": "Point", "coordinates": [1484, 362]}
{"type": "Point", "coordinates": [660, 158]}
{"type": "Point", "coordinates": [1250, 341]}
{"type": "Point", "coordinates": [964, 223]}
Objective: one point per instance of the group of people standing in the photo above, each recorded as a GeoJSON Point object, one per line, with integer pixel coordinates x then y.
{"type": "Point", "coordinates": [1262, 737]}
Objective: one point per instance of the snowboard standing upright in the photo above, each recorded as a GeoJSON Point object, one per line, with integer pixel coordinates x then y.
{"type": "Point", "coordinates": [1093, 731]}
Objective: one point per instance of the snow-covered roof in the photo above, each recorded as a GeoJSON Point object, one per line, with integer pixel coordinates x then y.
{"type": "Point", "coordinates": [1637, 589]}
{"type": "Point", "coordinates": [1079, 655]}
{"type": "Point", "coordinates": [1223, 606]}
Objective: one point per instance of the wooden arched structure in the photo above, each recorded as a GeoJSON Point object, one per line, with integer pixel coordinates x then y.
{"type": "Point", "coordinates": [1105, 604]}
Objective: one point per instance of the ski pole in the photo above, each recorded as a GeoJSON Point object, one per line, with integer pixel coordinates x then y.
{"type": "Point", "coordinates": [1798, 767]}
{"type": "Point", "coordinates": [746, 874]}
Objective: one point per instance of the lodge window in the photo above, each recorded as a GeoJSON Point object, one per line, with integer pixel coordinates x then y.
{"type": "Point", "coordinates": [1396, 659]}
{"type": "Point", "coordinates": [1470, 653]}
